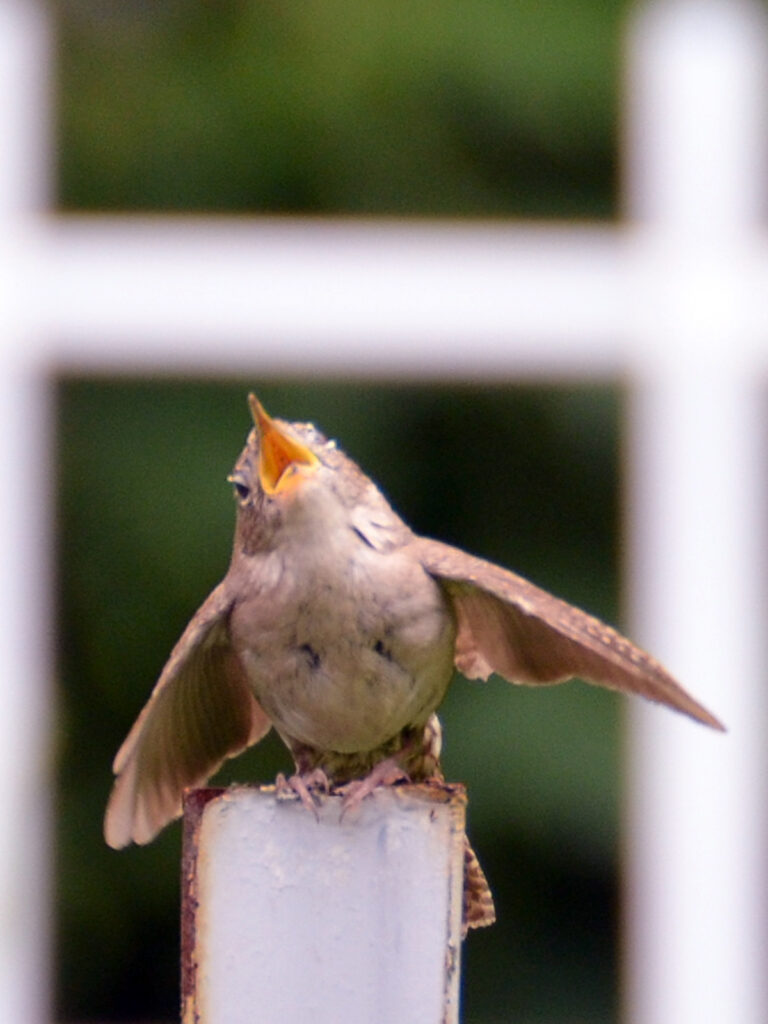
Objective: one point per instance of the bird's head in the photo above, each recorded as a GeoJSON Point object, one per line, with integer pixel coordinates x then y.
{"type": "Point", "coordinates": [291, 480]}
{"type": "Point", "coordinates": [285, 475]}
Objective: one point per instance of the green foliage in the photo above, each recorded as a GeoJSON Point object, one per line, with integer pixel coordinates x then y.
{"type": "Point", "coordinates": [360, 106]}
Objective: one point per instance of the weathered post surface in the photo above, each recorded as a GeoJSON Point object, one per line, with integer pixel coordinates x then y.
{"type": "Point", "coordinates": [290, 918]}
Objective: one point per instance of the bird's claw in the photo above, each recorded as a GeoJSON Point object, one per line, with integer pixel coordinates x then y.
{"type": "Point", "coordinates": [300, 785]}
{"type": "Point", "coordinates": [385, 773]}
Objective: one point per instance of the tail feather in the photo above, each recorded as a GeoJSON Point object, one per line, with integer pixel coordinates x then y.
{"type": "Point", "coordinates": [479, 910]}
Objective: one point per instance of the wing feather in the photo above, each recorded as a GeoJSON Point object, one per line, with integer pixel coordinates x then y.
{"type": "Point", "coordinates": [510, 626]}
{"type": "Point", "coordinates": [200, 713]}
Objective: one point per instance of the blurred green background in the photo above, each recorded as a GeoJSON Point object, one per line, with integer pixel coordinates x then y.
{"type": "Point", "coordinates": [425, 107]}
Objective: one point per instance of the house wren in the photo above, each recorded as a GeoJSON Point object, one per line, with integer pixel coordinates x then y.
{"type": "Point", "coordinates": [340, 627]}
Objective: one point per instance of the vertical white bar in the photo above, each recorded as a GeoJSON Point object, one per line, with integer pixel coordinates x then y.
{"type": "Point", "coordinates": [24, 510]}
{"type": "Point", "coordinates": [25, 777]}
{"type": "Point", "coordinates": [697, 867]}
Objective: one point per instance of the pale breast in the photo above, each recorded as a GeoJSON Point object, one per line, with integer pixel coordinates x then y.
{"type": "Point", "coordinates": [345, 649]}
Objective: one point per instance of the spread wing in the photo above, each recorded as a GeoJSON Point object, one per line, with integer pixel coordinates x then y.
{"type": "Point", "coordinates": [509, 626]}
{"type": "Point", "coordinates": [201, 712]}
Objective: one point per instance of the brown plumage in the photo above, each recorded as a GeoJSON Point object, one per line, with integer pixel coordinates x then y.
{"type": "Point", "coordinates": [340, 627]}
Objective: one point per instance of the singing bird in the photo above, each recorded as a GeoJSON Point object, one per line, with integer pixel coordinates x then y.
{"type": "Point", "coordinates": [339, 627]}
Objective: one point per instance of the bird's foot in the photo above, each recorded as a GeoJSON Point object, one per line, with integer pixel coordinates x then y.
{"type": "Point", "coordinates": [386, 773]}
{"type": "Point", "coordinates": [300, 785]}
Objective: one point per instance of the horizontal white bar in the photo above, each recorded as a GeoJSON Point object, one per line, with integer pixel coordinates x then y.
{"type": "Point", "coordinates": [419, 299]}
{"type": "Point", "coordinates": [414, 298]}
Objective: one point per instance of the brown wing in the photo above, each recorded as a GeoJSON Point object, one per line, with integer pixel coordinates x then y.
{"type": "Point", "coordinates": [508, 625]}
{"type": "Point", "coordinates": [200, 713]}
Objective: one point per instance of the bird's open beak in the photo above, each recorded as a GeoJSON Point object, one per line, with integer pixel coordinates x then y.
{"type": "Point", "coordinates": [280, 456]}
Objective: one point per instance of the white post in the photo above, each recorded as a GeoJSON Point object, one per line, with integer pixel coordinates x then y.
{"type": "Point", "coordinates": [697, 867]}
{"type": "Point", "coordinates": [288, 917]}
{"type": "Point", "coordinates": [25, 487]}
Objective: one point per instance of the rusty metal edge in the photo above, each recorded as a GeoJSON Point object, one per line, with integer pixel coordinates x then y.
{"type": "Point", "coordinates": [457, 798]}
{"type": "Point", "coordinates": [194, 803]}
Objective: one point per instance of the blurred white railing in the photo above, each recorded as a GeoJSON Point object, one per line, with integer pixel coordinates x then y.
{"type": "Point", "coordinates": [673, 301]}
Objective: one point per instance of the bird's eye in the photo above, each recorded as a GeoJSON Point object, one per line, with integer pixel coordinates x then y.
{"type": "Point", "coordinates": [242, 490]}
